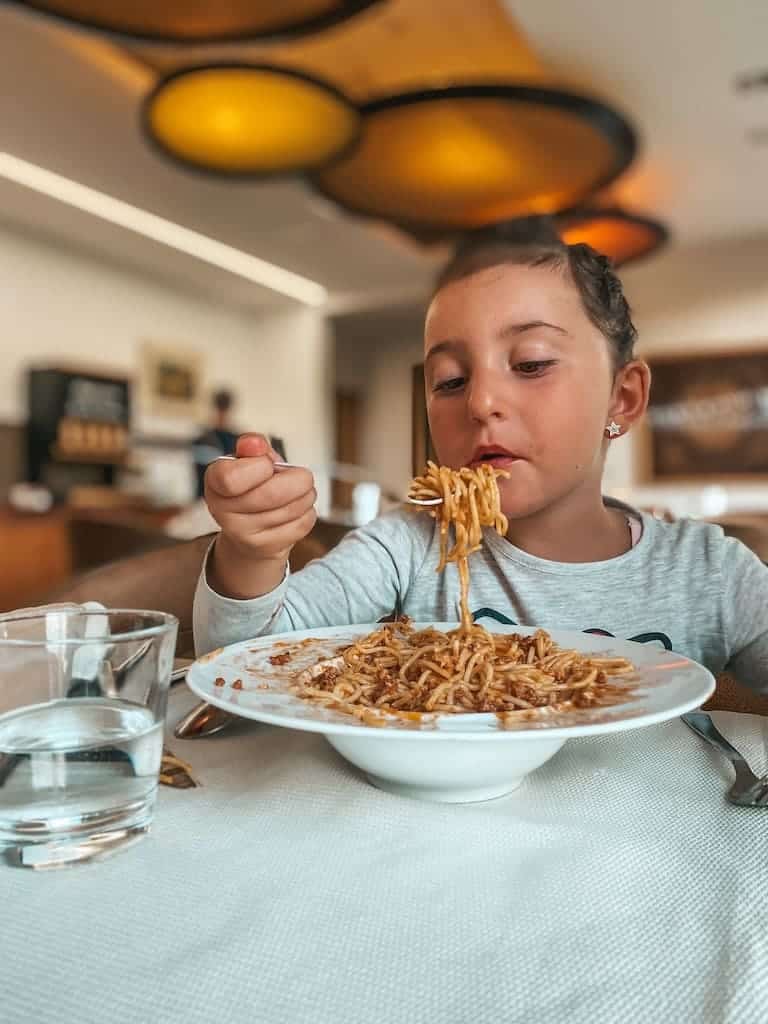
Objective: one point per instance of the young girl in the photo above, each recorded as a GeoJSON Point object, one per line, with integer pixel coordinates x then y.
{"type": "Point", "coordinates": [529, 364]}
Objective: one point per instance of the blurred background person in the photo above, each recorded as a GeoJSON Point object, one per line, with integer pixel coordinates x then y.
{"type": "Point", "coordinates": [218, 439]}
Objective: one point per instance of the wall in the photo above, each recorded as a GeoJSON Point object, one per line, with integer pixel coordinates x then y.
{"type": "Point", "coordinates": [374, 357]}
{"type": "Point", "coordinates": [61, 305]}
{"type": "Point", "coordinates": [387, 440]}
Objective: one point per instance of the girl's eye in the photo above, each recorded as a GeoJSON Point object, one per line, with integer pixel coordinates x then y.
{"type": "Point", "coordinates": [450, 384]}
{"type": "Point", "coordinates": [534, 367]}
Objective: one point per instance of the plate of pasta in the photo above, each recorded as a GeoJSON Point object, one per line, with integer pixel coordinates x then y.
{"type": "Point", "coordinates": [451, 712]}
{"type": "Point", "coordinates": [443, 740]}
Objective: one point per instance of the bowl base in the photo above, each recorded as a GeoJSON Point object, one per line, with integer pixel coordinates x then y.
{"type": "Point", "coordinates": [443, 794]}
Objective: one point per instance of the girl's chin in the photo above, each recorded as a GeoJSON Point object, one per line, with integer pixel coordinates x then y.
{"type": "Point", "coordinates": [518, 503]}
{"type": "Point", "coordinates": [518, 510]}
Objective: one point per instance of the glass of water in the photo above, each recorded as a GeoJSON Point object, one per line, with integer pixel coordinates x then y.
{"type": "Point", "coordinates": [82, 703]}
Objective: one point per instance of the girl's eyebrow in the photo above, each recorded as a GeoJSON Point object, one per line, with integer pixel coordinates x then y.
{"type": "Point", "coordinates": [451, 346]}
{"type": "Point", "coordinates": [455, 346]}
{"type": "Point", "coordinates": [530, 325]}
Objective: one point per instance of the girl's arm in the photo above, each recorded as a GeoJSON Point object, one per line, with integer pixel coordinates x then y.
{"type": "Point", "coordinates": [745, 614]}
{"type": "Point", "coordinates": [361, 580]}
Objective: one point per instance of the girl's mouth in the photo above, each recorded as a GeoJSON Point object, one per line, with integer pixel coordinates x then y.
{"type": "Point", "coordinates": [495, 455]}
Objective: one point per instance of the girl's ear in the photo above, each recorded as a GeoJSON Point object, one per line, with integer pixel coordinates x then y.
{"type": "Point", "coordinates": [631, 390]}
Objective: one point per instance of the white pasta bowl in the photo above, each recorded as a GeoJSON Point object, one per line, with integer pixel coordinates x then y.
{"type": "Point", "coordinates": [451, 758]}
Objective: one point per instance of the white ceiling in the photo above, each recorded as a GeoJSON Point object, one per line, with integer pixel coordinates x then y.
{"type": "Point", "coordinates": [670, 65]}
{"type": "Point", "coordinates": [69, 102]}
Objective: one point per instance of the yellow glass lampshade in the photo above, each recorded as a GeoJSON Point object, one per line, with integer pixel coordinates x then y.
{"type": "Point", "coordinates": [203, 21]}
{"type": "Point", "coordinates": [249, 120]}
{"type": "Point", "coordinates": [464, 156]}
{"type": "Point", "coordinates": [621, 236]}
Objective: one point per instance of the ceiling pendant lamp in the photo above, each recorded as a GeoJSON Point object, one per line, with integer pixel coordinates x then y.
{"type": "Point", "coordinates": [459, 157]}
{"type": "Point", "coordinates": [469, 127]}
{"type": "Point", "coordinates": [203, 21]}
{"type": "Point", "coordinates": [249, 120]}
{"type": "Point", "coordinates": [622, 236]}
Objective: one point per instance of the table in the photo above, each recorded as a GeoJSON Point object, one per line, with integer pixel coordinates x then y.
{"type": "Point", "coordinates": [615, 885]}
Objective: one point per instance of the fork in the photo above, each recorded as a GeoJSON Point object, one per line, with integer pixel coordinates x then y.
{"type": "Point", "coordinates": [277, 463]}
{"type": "Point", "coordinates": [748, 790]}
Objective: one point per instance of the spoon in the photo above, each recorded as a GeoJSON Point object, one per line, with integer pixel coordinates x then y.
{"type": "Point", "coordinates": [203, 720]}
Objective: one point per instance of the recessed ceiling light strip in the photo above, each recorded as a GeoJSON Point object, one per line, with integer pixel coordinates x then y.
{"type": "Point", "coordinates": [166, 232]}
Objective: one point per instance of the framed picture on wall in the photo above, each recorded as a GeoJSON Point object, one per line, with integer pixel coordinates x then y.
{"type": "Point", "coordinates": [172, 381]}
{"type": "Point", "coordinates": [708, 417]}
{"type": "Point", "coordinates": [422, 448]}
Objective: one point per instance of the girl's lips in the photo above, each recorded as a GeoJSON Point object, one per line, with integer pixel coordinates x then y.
{"type": "Point", "coordinates": [499, 461]}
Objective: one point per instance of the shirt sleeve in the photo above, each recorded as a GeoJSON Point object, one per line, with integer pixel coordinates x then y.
{"type": "Point", "coordinates": [745, 614]}
{"type": "Point", "coordinates": [362, 579]}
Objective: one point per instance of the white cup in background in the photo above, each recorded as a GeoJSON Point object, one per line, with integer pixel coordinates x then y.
{"type": "Point", "coordinates": [365, 503]}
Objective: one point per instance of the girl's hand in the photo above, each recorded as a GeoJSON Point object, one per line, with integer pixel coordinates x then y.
{"type": "Point", "coordinates": [262, 513]}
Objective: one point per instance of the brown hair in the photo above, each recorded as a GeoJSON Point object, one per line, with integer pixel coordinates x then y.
{"type": "Point", "coordinates": [600, 290]}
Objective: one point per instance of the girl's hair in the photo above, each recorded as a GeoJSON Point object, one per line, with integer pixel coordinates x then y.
{"type": "Point", "coordinates": [533, 242]}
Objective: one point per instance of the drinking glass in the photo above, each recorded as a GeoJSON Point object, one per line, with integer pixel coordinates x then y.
{"type": "Point", "coordinates": [83, 694]}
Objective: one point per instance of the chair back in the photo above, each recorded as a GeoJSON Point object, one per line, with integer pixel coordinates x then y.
{"type": "Point", "coordinates": [164, 580]}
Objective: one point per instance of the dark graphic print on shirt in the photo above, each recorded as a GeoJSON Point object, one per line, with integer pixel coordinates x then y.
{"type": "Point", "coordinates": [642, 638]}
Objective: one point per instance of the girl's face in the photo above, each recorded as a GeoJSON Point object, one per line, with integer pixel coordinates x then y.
{"type": "Point", "coordinates": [517, 373]}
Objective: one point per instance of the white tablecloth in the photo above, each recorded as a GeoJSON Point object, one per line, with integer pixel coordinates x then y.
{"type": "Point", "coordinates": [615, 886]}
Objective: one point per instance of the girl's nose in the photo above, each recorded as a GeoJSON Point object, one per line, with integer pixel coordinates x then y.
{"type": "Point", "coordinates": [485, 400]}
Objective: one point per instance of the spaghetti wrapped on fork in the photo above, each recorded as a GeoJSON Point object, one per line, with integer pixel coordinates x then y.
{"type": "Point", "coordinates": [470, 501]}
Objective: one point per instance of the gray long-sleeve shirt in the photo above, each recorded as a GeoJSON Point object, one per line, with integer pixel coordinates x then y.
{"type": "Point", "coordinates": [684, 586]}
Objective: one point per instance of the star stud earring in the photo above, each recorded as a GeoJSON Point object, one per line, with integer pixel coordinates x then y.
{"type": "Point", "coordinates": [613, 429]}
